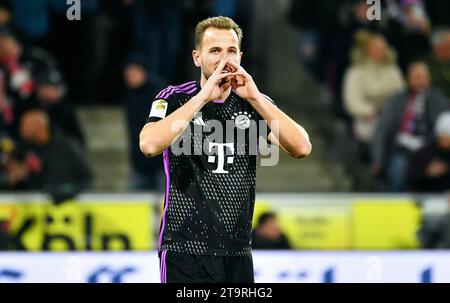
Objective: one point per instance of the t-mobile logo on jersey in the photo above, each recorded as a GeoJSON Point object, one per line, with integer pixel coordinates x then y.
{"type": "Point", "coordinates": [221, 149]}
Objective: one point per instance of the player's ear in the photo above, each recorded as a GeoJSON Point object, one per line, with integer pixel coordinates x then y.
{"type": "Point", "coordinates": [196, 58]}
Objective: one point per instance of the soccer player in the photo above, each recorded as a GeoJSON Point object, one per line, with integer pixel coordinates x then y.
{"type": "Point", "coordinates": [210, 185]}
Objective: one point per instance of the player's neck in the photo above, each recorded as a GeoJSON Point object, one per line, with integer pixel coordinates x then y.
{"type": "Point", "coordinates": [225, 95]}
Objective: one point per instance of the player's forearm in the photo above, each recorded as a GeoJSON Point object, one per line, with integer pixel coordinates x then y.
{"type": "Point", "coordinates": [291, 136]}
{"type": "Point", "coordinates": [155, 137]}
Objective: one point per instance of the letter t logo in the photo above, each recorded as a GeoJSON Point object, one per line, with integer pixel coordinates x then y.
{"type": "Point", "coordinates": [221, 156]}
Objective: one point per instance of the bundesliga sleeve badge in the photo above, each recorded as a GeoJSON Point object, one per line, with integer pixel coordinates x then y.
{"type": "Point", "coordinates": [159, 108]}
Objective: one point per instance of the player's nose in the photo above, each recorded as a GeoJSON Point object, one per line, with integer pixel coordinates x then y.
{"type": "Point", "coordinates": [224, 56]}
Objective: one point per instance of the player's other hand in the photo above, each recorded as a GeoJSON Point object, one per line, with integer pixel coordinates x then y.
{"type": "Point", "coordinates": [242, 83]}
{"type": "Point", "coordinates": [219, 82]}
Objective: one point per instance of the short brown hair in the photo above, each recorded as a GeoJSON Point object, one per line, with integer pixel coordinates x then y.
{"type": "Point", "coordinates": [219, 22]}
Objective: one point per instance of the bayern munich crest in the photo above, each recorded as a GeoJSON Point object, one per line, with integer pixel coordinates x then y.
{"type": "Point", "coordinates": [242, 120]}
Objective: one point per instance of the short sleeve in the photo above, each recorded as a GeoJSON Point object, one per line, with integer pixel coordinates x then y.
{"type": "Point", "coordinates": [163, 105]}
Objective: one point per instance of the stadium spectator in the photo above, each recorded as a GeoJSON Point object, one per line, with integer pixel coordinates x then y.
{"type": "Point", "coordinates": [6, 109]}
{"type": "Point", "coordinates": [19, 168]}
{"type": "Point", "coordinates": [372, 78]}
{"type": "Point", "coordinates": [51, 96]}
{"type": "Point", "coordinates": [65, 168]}
{"type": "Point", "coordinates": [406, 124]}
{"type": "Point", "coordinates": [146, 173]}
{"type": "Point", "coordinates": [19, 68]}
{"type": "Point", "coordinates": [409, 29]}
{"type": "Point", "coordinates": [429, 167]}
{"type": "Point", "coordinates": [318, 24]}
{"type": "Point", "coordinates": [267, 233]}
{"type": "Point", "coordinates": [157, 29]}
{"type": "Point", "coordinates": [17, 72]}
{"type": "Point", "coordinates": [115, 43]}
{"type": "Point", "coordinates": [325, 38]}
{"type": "Point", "coordinates": [434, 232]}
{"type": "Point", "coordinates": [439, 60]}
{"type": "Point", "coordinates": [76, 45]}
{"type": "Point", "coordinates": [5, 12]}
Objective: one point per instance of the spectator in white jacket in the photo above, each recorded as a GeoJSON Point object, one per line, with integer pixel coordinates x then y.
{"type": "Point", "coordinates": [369, 82]}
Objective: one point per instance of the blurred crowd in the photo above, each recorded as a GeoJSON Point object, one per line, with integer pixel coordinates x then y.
{"type": "Point", "coordinates": [120, 52]}
{"type": "Point", "coordinates": [390, 82]}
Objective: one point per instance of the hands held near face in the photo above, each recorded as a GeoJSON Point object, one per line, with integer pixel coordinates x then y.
{"type": "Point", "coordinates": [230, 74]}
{"type": "Point", "coordinates": [243, 84]}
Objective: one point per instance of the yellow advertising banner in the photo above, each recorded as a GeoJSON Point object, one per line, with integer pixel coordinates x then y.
{"type": "Point", "coordinates": [349, 223]}
{"type": "Point", "coordinates": [91, 225]}
{"type": "Point", "coordinates": [390, 224]}
{"type": "Point", "coordinates": [131, 223]}
{"type": "Point", "coordinates": [312, 225]}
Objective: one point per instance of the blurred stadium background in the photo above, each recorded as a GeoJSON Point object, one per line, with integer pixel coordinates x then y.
{"type": "Point", "coordinates": [79, 203]}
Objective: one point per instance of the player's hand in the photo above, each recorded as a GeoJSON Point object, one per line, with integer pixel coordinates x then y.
{"type": "Point", "coordinates": [243, 84]}
{"type": "Point", "coordinates": [218, 83]}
